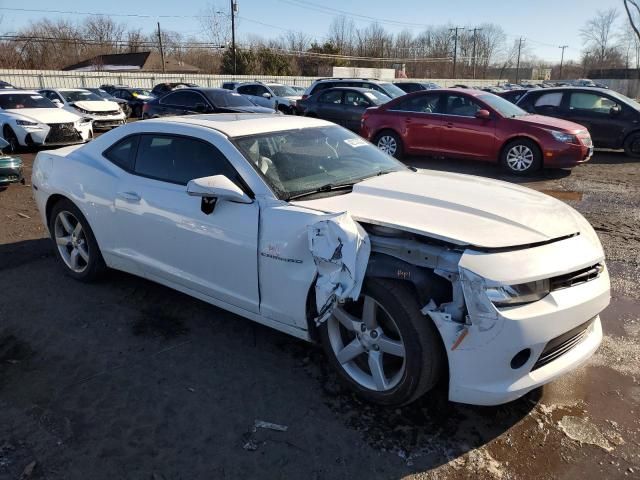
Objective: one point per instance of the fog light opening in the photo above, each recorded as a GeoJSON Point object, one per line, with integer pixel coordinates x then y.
{"type": "Point", "coordinates": [520, 358]}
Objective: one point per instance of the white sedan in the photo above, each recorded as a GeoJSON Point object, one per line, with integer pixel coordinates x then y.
{"type": "Point", "coordinates": [104, 113]}
{"type": "Point", "coordinates": [298, 224]}
{"type": "Point", "coordinates": [29, 119]}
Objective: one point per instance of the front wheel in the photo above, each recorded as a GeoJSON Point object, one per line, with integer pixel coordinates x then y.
{"type": "Point", "coordinates": [390, 143]}
{"type": "Point", "coordinates": [382, 347]}
{"type": "Point", "coordinates": [11, 137]}
{"type": "Point", "coordinates": [521, 157]}
{"type": "Point", "coordinates": [75, 244]}
{"type": "Point", "coordinates": [632, 145]}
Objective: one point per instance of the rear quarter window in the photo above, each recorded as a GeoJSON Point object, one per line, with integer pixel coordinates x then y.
{"type": "Point", "coordinates": [123, 153]}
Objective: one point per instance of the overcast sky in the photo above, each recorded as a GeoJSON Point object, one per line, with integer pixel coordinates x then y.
{"type": "Point", "coordinates": [545, 24]}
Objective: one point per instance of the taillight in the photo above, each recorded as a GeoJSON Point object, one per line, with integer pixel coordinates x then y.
{"type": "Point", "coordinates": [145, 107]}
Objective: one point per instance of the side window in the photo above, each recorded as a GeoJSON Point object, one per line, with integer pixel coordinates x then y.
{"type": "Point", "coordinates": [260, 89]}
{"type": "Point", "coordinates": [549, 100]}
{"type": "Point", "coordinates": [123, 153]}
{"type": "Point", "coordinates": [410, 87]}
{"type": "Point", "coordinates": [591, 102]}
{"type": "Point", "coordinates": [331, 97]}
{"type": "Point", "coordinates": [355, 99]}
{"type": "Point", "coordinates": [177, 159]}
{"type": "Point", "coordinates": [183, 99]}
{"type": "Point", "coordinates": [247, 90]}
{"type": "Point", "coordinates": [322, 86]}
{"type": "Point", "coordinates": [427, 103]}
{"type": "Point", "coordinates": [462, 106]}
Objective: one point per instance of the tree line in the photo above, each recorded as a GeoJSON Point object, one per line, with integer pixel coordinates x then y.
{"type": "Point", "coordinates": [480, 51]}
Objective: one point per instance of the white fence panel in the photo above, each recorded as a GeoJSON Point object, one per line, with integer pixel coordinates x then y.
{"type": "Point", "coordinates": [36, 79]}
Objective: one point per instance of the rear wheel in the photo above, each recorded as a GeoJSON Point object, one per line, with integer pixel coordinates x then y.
{"type": "Point", "coordinates": [632, 145]}
{"type": "Point", "coordinates": [382, 347]}
{"type": "Point", "coordinates": [75, 244]}
{"type": "Point", "coordinates": [521, 157]}
{"type": "Point", "coordinates": [390, 143]}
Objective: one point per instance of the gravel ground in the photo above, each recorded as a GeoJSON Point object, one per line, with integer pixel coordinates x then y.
{"type": "Point", "coordinates": [126, 379]}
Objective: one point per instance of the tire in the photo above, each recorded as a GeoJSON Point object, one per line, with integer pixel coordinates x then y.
{"type": "Point", "coordinates": [398, 319]}
{"type": "Point", "coordinates": [390, 143]}
{"type": "Point", "coordinates": [127, 110]}
{"type": "Point", "coordinates": [87, 269]}
{"type": "Point", "coordinates": [136, 112]}
{"type": "Point", "coordinates": [521, 157]}
{"type": "Point", "coordinates": [632, 145]}
{"type": "Point", "coordinates": [11, 137]}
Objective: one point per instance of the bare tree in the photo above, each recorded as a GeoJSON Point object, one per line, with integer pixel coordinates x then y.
{"type": "Point", "coordinates": [341, 34]}
{"type": "Point", "coordinates": [598, 35]}
{"type": "Point", "coordinates": [216, 24]}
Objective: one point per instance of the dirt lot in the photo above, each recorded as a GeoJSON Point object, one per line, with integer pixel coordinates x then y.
{"type": "Point", "coordinates": [126, 379]}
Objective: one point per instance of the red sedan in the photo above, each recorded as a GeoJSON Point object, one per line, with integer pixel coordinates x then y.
{"type": "Point", "coordinates": [477, 125]}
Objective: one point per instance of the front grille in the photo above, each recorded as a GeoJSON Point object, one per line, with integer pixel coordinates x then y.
{"type": "Point", "coordinates": [560, 345]}
{"type": "Point", "coordinates": [576, 278]}
{"type": "Point", "coordinates": [62, 132]}
{"type": "Point", "coordinates": [104, 114]}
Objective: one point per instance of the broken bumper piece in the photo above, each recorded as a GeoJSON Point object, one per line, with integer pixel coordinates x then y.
{"type": "Point", "coordinates": [340, 249]}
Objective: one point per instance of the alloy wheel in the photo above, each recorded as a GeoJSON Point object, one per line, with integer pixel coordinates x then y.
{"type": "Point", "coordinates": [367, 343]}
{"type": "Point", "coordinates": [388, 144]}
{"type": "Point", "coordinates": [71, 241]}
{"type": "Point", "coordinates": [520, 158]}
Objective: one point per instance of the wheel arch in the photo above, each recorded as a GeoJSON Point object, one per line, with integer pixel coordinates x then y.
{"type": "Point", "coordinates": [628, 134]}
{"type": "Point", "coordinates": [51, 202]}
{"type": "Point", "coordinates": [520, 137]}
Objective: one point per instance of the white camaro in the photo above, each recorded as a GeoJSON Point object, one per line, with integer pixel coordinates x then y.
{"type": "Point", "coordinates": [427, 274]}
{"type": "Point", "coordinates": [29, 119]}
{"type": "Point", "coordinates": [104, 113]}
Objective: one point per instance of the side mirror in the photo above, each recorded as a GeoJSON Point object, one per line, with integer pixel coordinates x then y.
{"type": "Point", "coordinates": [217, 187]}
{"type": "Point", "coordinates": [483, 114]}
{"type": "Point", "coordinates": [201, 108]}
{"type": "Point", "coordinates": [57, 103]}
{"type": "Point", "coordinates": [615, 110]}
{"type": "Point", "coordinates": [266, 95]}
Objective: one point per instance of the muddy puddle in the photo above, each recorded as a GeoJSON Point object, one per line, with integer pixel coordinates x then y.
{"type": "Point", "coordinates": [564, 195]}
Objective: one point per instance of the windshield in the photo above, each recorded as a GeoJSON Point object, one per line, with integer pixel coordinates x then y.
{"type": "Point", "coordinates": [101, 93]}
{"type": "Point", "coordinates": [502, 106]}
{"type": "Point", "coordinates": [283, 91]}
{"type": "Point", "coordinates": [229, 99]}
{"type": "Point", "coordinates": [629, 101]}
{"type": "Point", "coordinates": [392, 90]}
{"type": "Point", "coordinates": [376, 97]}
{"type": "Point", "coordinates": [79, 96]}
{"type": "Point", "coordinates": [299, 161]}
{"type": "Point", "coordinates": [24, 100]}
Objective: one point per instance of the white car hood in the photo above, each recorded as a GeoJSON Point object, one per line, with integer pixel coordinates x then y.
{"type": "Point", "coordinates": [461, 209]}
{"type": "Point", "coordinates": [98, 106]}
{"type": "Point", "coordinates": [45, 115]}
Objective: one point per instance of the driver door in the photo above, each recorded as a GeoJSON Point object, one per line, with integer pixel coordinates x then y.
{"type": "Point", "coordinates": [594, 111]}
{"type": "Point", "coordinates": [167, 235]}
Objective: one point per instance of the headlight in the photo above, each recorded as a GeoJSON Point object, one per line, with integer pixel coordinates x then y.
{"type": "Point", "coordinates": [27, 123]}
{"type": "Point", "coordinates": [564, 137]}
{"type": "Point", "coordinates": [510, 295]}
{"type": "Point", "coordinates": [84, 120]}
{"type": "Point", "coordinates": [82, 110]}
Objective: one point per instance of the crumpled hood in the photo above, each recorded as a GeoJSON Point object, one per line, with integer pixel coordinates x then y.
{"type": "Point", "coordinates": [461, 209]}
{"type": "Point", "coordinates": [551, 123]}
{"type": "Point", "coordinates": [98, 106]}
{"type": "Point", "coordinates": [45, 115]}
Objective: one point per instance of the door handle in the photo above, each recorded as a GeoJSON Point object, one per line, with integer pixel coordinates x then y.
{"type": "Point", "coordinates": [449, 125]}
{"type": "Point", "coordinates": [129, 196]}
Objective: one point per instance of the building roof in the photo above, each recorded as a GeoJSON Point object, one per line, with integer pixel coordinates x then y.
{"type": "Point", "coordinates": [132, 62]}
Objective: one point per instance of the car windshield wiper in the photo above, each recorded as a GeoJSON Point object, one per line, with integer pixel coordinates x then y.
{"type": "Point", "coordinates": [329, 187]}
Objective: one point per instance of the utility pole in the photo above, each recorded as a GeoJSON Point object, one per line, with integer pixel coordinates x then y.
{"type": "Point", "coordinates": [518, 62]}
{"type": "Point", "coordinates": [455, 48]}
{"type": "Point", "coordinates": [161, 49]}
{"type": "Point", "coordinates": [563, 47]}
{"type": "Point", "coordinates": [475, 31]}
{"type": "Point", "coordinates": [234, 9]}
